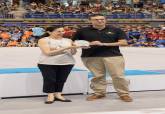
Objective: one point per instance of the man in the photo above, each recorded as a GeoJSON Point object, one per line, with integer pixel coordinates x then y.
{"type": "Point", "coordinates": [104, 54]}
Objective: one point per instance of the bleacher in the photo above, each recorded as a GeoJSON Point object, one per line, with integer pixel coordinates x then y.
{"type": "Point", "coordinates": [45, 15]}
{"type": "Point", "coordinates": [79, 16]}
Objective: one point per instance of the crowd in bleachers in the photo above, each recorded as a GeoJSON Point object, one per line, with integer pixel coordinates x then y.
{"type": "Point", "coordinates": [145, 36]}
{"type": "Point", "coordinates": [138, 35]}
{"type": "Point", "coordinates": [16, 37]}
{"type": "Point", "coordinates": [151, 9]}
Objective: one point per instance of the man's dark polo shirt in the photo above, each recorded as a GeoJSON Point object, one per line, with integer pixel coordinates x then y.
{"type": "Point", "coordinates": [107, 35]}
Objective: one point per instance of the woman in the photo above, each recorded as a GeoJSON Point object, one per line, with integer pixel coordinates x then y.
{"type": "Point", "coordinates": [55, 63]}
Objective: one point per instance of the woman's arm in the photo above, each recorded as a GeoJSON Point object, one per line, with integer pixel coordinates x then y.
{"type": "Point", "coordinates": [74, 51]}
{"type": "Point", "coordinates": [44, 46]}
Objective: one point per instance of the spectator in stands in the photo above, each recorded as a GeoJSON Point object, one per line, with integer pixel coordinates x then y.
{"type": "Point", "coordinates": [0, 42]}
{"type": "Point", "coordinates": [161, 41]}
{"type": "Point", "coordinates": [104, 54]}
{"type": "Point", "coordinates": [24, 42]}
{"type": "Point", "coordinates": [70, 31]}
{"type": "Point", "coordinates": [38, 32]}
{"type": "Point", "coordinates": [67, 32]}
{"type": "Point", "coordinates": [27, 34]}
{"type": "Point", "coordinates": [5, 36]}
{"type": "Point", "coordinates": [134, 33]}
{"type": "Point", "coordinates": [123, 9]}
{"type": "Point", "coordinates": [28, 39]}
{"type": "Point", "coordinates": [12, 43]}
{"type": "Point", "coordinates": [138, 35]}
{"type": "Point", "coordinates": [16, 35]}
{"type": "Point", "coordinates": [18, 13]}
{"type": "Point", "coordinates": [56, 63]}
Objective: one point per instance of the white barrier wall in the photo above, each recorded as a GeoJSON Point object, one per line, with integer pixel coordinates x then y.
{"type": "Point", "coordinates": [144, 58]}
{"type": "Point", "coordinates": [136, 58]}
{"type": "Point", "coordinates": [25, 57]}
{"type": "Point", "coordinates": [27, 84]}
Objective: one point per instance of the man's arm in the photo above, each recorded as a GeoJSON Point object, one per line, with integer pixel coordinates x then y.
{"type": "Point", "coordinates": [119, 43]}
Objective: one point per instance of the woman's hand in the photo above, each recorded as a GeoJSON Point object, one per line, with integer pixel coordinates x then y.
{"type": "Point", "coordinates": [73, 51]}
{"type": "Point", "coordinates": [96, 43]}
{"type": "Point", "coordinates": [51, 49]}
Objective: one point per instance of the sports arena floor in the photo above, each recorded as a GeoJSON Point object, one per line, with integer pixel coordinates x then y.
{"type": "Point", "coordinates": [146, 102]}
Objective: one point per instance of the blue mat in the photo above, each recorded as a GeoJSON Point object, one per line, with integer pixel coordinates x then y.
{"type": "Point", "coordinates": [136, 72]}
{"type": "Point", "coordinates": [19, 70]}
{"type": "Point", "coordinates": [36, 70]}
{"type": "Point", "coordinates": [140, 72]}
{"type": "Point", "coordinates": [25, 70]}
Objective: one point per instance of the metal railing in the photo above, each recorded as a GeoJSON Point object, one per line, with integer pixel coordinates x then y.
{"type": "Point", "coordinates": [83, 16]}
